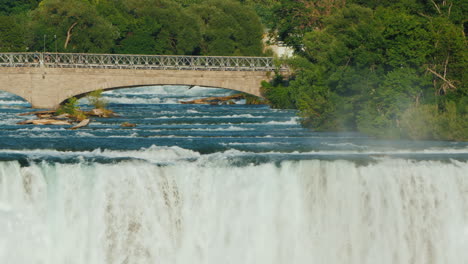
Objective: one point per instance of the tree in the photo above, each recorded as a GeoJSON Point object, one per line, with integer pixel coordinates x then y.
{"type": "Point", "coordinates": [76, 24]}
{"type": "Point", "coordinates": [12, 36]}
{"type": "Point", "coordinates": [291, 20]}
{"type": "Point", "coordinates": [449, 59]}
{"type": "Point", "coordinates": [380, 67]}
{"type": "Point", "coordinates": [8, 7]}
{"type": "Point", "coordinates": [228, 28]}
{"type": "Point", "coordinates": [155, 27]}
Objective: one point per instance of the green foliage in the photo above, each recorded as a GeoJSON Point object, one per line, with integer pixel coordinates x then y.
{"type": "Point", "coordinates": [183, 27]}
{"type": "Point", "coordinates": [167, 28]}
{"type": "Point", "coordinates": [396, 93]}
{"type": "Point", "coordinates": [76, 25]}
{"type": "Point", "coordinates": [254, 100]}
{"type": "Point", "coordinates": [279, 96]}
{"type": "Point", "coordinates": [71, 107]}
{"type": "Point", "coordinates": [96, 100]}
{"type": "Point", "coordinates": [426, 122]}
{"type": "Point", "coordinates": [8, 7]}
{"type": "Point", "coordinates": [187, 3]}
{"type": "Point", "coordinates": [291, 20]}
{"type": "Point", "coordinates": [12, 35]}
{"type": "Point", "coordinates": [406, 39]}
{"type": "Point", "coordinates": [387, 68]}
{"type": "Point", "coordinates": [449, 56]}
{"type": "Point", "coordinates": [228, 28]}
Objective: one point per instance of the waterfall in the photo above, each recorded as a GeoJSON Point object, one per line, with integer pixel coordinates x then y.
{"type": "Point", "coordinates": [309, 211]}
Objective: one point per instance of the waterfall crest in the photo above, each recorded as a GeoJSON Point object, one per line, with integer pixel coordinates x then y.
{"type": "Point", "coordinates": [309, 211]}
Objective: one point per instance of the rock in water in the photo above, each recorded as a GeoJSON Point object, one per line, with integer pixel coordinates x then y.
{"type": "Point", "coordinates": [44, 116]}
{"type": "Point", "coordinates": [214, 100]}
{"type": "Point", "coordinates": [25, 122]}
{"type": "Point", "coordinates": [126, 124]}
{"type": "Point", "coordinates": [101, 112]}
{"type": "Point", "coordinates": [45, 122]}
{"type": "Point", "coordinates": [62, 116]}
{"type": "Point", "coordinates": [83, 123]}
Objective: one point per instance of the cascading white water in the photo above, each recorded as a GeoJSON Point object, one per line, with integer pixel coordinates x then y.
{"type": "Point", "coordinates": [393, 211]}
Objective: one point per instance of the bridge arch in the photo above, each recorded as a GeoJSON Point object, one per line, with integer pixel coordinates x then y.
{"type": "Point", "coordinates": [84, 94]}
{"type": "Point", "coordinates": [48, 87]}
{"type": "Point", "coordinates": [53, 78]}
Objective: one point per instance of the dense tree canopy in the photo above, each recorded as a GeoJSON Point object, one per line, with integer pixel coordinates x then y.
{"type": "Point", "coordinates": [198, 27]}
{"type": "Point", "coordinates": [387, 68]}
{"type": "Point", "coordinates": [12, 36]}
{"type": "Point", "coordinates": [228, 28]}
{"type": "Point", "coordinates": [8, 7]}
{"type": "Point", "coordinates": [74, 24]}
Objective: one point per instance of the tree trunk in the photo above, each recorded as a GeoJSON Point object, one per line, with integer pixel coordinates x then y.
{"type": "Point", "coordinates": [69, 34]}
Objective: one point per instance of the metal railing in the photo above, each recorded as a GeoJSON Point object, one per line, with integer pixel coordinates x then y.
{"type": "Point", "coordinates": [146, 62]}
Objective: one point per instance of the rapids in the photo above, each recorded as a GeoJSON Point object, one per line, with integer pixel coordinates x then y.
{"type": "Point", "coordinates": [223, 184]}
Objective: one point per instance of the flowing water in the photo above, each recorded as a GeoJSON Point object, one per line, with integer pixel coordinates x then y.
{"type": "Point", "coordinates": [223, 184]}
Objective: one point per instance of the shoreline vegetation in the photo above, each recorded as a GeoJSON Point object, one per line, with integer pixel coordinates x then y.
{"type": "Point", "coordinates": [389, 69]}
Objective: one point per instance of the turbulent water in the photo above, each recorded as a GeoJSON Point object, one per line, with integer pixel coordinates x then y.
{"type": "Point", "coordinates": [223, 184]}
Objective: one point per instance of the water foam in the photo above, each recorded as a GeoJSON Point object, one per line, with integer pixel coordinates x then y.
{"type": "Point", "coordinates": [392, 212]}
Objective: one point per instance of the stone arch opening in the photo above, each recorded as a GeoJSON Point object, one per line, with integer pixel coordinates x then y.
{"type": "Point", "coordinates": [14, 100]}
{"type": "Point", "coordinates": [175, 86]}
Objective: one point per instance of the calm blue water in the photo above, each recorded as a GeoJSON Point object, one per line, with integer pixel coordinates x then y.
{"type": "Point", "coordinates": [223, 184]}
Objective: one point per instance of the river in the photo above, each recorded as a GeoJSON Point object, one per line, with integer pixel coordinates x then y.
{"type": "Point", "coordinates": [223, 184]}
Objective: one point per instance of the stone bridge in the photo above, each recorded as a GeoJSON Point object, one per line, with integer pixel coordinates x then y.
{"type": "Point", "coordinates": [47, 79]}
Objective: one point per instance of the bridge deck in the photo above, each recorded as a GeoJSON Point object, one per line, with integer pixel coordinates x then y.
{"type": "Point", "coordinates": [147, 62]}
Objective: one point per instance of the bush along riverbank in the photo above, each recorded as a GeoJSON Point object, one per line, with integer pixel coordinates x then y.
{"type": "Point", "coordinates": [389, 70]}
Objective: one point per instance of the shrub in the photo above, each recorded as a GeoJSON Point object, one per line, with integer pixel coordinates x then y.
{"type": "Point", "coordinates": [426, 122]}
{"type": "Point", "coordinates": [96, 100]}
{"type": "Point", "coordinates": [71, 107]}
